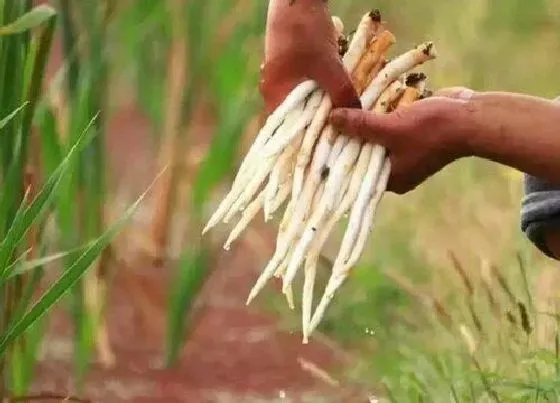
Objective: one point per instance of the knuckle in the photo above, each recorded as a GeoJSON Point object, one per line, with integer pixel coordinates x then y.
{"type": "Point", "coordinates": [362, 123]}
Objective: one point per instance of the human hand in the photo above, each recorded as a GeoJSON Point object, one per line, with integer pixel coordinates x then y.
{"type": "Point", "coordinates": [420, 139]}
{"type": "Point", "coordinates": [300, 44]}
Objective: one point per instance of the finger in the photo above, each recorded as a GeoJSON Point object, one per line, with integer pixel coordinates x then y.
{"type": "Point", "coordinates": [366, 125]}
{"type": "Point", "coordinates": [333, 78]}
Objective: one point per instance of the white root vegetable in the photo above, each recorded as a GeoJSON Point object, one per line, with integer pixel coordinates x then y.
{"type": "Point", "coordinates": [391, 94]}
{"type": "Point", "coordinates": [289, 294]}
{"type": "Point", "coordinates": [292, 102]}
{"type": "Point", "coordinates": [250, 212]}
{"type": "Point", "coordinates": [338, 146]}
{"type": "Point", "coordinates": [344, 202]}
{"type": "Point", "coordinates": [392, 71]}
{"type": "Point", "coordinates": [310, 138]}
{"type": "Point", "coordinates": [281, 173]}
{"type": "Point", "coordinates": [280, 198]}
{"type": "Point", "coordinates": [369, 216]}
{"type": "Point", "coordinates": [299, 160]}
{"type": "Point", "coordinates": [361, 221]}
{"type": "Point", "coordinates": [339, 276]}
{"type": "Point", "coordinates": [307, 297]}
{"type": "Point", "coordinates": [364, 33]}
{"type": "Point", "coordinates": [252, 187]}
{"type": "Point", "coordinates": [334, 183]}
{"type": "Point", "coordinates": [279, 142]}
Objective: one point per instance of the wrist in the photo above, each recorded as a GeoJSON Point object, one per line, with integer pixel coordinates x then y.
{"type": "Point", "coordinates": [472, 134]}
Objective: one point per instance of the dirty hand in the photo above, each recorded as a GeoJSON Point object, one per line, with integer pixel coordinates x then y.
{"type": "Point", "coordinates": [300, 45]}
{"type": "Point", "coordinates": [420, 139]}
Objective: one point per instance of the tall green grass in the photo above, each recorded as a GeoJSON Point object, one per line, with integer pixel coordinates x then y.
{"type": "Point", "coordinates": [36, 170]}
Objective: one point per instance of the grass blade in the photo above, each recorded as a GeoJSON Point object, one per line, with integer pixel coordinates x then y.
{"type": "Point", "coordinates": [12, 115]}
{"type": "Point", "coordinates": [30, 20]}
{"type": "Point", "coordinates": [67, 279]}
{"type": "Point", "coordinates": [24, 221]}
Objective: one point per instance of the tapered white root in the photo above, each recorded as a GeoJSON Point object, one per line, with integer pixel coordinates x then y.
{"type": "Point", "coordinates": [377, 158]}
{"type": "Point", "coordinates": [279, 199]}
{"type": "Point", "coordinates": [251, 188]}
{"type": "Point", "coordinates": [298, 214]}
{"type": "Point", "coordinates": [369, 216]}
{"type": "Point", "coordinates": [344, 201]}
{"type": "Point", "coordinates": [334, 183]}
{"type": "Point", "coordinates": [292, 101]}
{"type": "Point", "coordinates": [361, 222]}
{"type": "Point", "coordinates": [310, 138]}
{"type": "Point", "coordinates": [339, 275]}
{"type": "Point", "coordinates": [281, 141]}
{"type": "Point", "coordinates": [337, 180]}
{"type": "Point", "coordinates": [248, 215]}
{"type": "Point", "coordinates": [307, 296]}
{"type": "Point", "coordinates": [289, 294]}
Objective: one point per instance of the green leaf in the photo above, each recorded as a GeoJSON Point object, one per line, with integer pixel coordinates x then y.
{"type": "Point", "coordinates": [12, 115]}
{"type": "Point", "coordinates": [22, 222]}
{"type": "Point", "coordinates": [30, 20]}
{"type": "Point", "coordinates": [22, 266]}
{"type": "Point", "coordinates": [68, 279]}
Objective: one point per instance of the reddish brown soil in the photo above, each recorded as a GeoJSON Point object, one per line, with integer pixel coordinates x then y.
{"type": "Point", "coordinates": [231, 349]}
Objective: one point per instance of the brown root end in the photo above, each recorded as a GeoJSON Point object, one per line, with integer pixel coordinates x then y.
{"type": "Point", "coordinates": [413, 79]}
{"type": "Point", "coordinates": [342, 45]}
{"type": "Point", "coordinates": [426, 94]}
{"type": "Point", "coordinates": [375, 15]}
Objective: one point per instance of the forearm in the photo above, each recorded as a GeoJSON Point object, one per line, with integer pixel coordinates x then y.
{"type": "Point", "coordinates": [520, 131]}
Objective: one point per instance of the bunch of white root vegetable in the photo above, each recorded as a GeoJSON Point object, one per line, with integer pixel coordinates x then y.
{"type": "Point", "coordinates": [323, 176]}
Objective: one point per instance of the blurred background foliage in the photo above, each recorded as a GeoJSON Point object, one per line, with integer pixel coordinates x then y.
{"type": "Point", "coordinates": [450, 303]}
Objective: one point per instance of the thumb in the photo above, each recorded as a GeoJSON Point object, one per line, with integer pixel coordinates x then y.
{"type": "Point", "coordinates": [367, 125]}
{"type": "Point", "coordinates": [333, 78]}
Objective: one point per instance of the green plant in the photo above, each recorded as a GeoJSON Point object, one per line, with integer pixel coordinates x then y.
{"type": "Point", "coordinates": [35, 171]}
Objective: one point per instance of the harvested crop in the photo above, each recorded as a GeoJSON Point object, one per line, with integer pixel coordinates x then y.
{"type": "Point", "coordinates": [301, 162]}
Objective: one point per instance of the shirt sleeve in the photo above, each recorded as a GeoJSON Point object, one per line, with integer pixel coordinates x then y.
{"type": "Point", "coordinates": [540, 210]}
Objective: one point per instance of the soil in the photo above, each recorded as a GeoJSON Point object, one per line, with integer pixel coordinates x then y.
{"type": "Point", "coordinates": [233, 353]}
